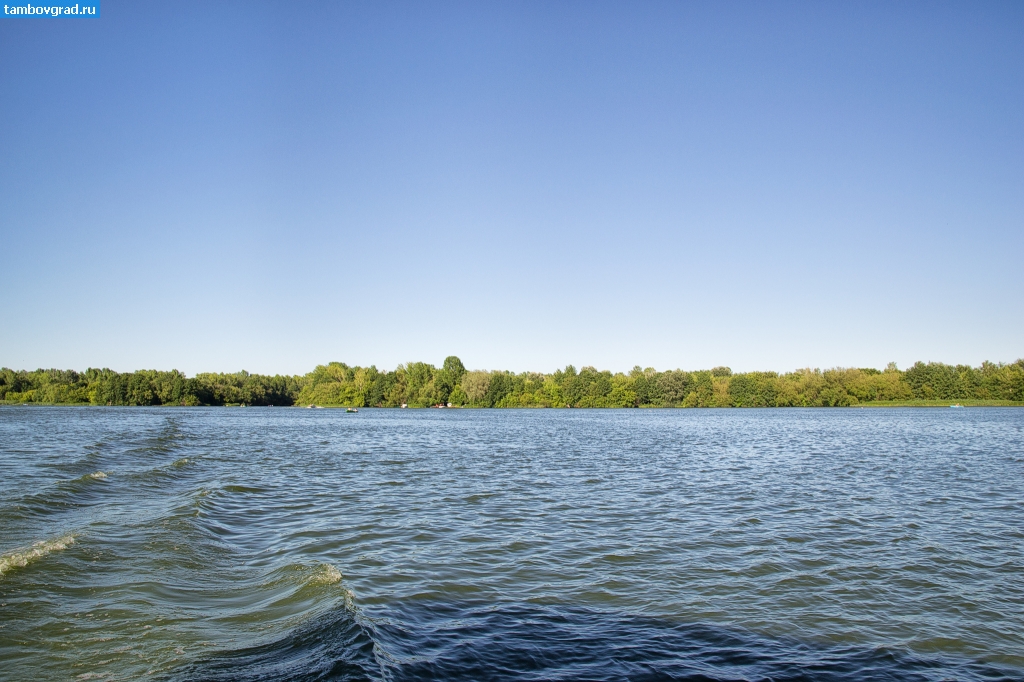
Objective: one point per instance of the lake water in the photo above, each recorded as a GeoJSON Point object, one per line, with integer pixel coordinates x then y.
{"type": "Point", "coordinates": [293, 544]}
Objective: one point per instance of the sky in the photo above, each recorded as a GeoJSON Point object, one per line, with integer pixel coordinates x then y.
{"type": "Point", "coordinates": [270, 186]}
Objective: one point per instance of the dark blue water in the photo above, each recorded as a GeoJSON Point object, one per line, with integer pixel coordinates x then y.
{"type": "Point", "coordinates": [289, 544]}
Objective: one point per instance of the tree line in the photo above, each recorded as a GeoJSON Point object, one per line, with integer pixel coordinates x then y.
{"type": "Point", "coordinates": [419, 384]}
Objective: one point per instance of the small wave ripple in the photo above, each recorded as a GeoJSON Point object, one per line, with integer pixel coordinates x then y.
{"type": "Point", "coordinates": [38, 550]}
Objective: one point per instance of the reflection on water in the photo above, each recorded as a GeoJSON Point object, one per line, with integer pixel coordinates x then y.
{"type": "Point", "coordinates": [460, 544]}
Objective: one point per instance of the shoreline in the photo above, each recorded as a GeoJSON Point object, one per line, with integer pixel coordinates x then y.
{"type": "Point", "coordinates": [935, 404]}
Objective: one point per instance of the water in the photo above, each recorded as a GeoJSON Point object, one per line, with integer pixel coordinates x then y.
{"type": "Point", "coordinates": [281, 544]}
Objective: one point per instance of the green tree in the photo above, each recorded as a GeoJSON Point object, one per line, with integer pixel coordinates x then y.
{"type": "Point", "coordinates": [448, 377]}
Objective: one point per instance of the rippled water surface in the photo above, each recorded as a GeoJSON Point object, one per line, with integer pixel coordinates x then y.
{"type": "Point", "coordinates": [280, 544]}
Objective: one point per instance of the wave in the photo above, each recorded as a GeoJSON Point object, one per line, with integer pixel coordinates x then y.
{"type": "Point", "coordinates": [299, 575]}
{"type": "Point", "coordinates": [162, 440]}
{"type": "Point", "coordinates": [337, 646]}
{"type": "Point", "coordinates": [325, 574]}
{"type": "Point", "coordinates": [38, 550]}
{"type": "Point", "coordinates": [141, 461]}
{"type": "Point", "coordinates": [63, 496]}
{"type": "Point", "coordinates": [487, 641]}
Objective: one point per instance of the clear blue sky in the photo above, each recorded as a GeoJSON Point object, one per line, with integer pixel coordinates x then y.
{"type": "Point", "coordinates": [269, 186]}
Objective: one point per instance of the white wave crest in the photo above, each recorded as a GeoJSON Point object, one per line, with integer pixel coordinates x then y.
{"type": "Point", "coordinates": [325, 574]}
{"type": "Point", "coordinates": [98, 474]}
{"type": "Point", "coordinates": [36, 551]}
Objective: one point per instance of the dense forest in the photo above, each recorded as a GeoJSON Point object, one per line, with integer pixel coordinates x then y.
{"type": "Point", "coordinates": [419, 384]}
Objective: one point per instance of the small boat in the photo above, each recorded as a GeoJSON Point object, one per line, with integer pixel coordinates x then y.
{"type": "Point", "coordinates": [351, 409]}
{"type": "Point", "coordinates": [957, 405]}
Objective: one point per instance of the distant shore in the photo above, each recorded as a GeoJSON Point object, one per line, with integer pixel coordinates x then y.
{"type": "Point", "coordinates": [942, 403]}
{"type": "Point", "coordinates": [420, 384]}
{"type": "Point", "coordinates": [874, 404]}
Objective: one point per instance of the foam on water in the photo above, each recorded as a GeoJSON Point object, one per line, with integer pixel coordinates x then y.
{"type": "Point", "coordinates": [38, 550]}
{"type": "Point", "coordinates": [325, 574]}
